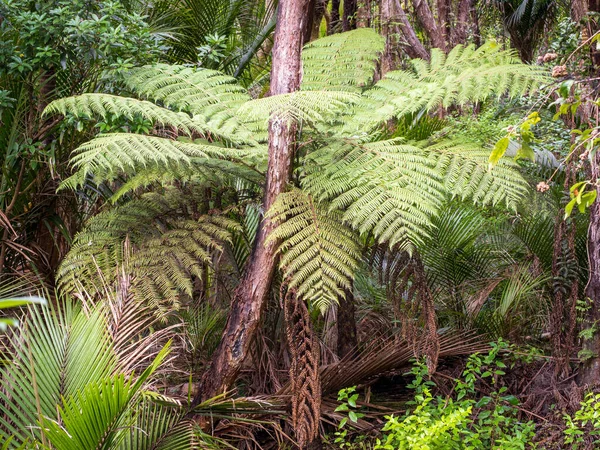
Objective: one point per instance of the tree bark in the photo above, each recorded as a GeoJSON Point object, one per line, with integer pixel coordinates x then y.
{"type": "Point", "coordinates": [590, 370]}
{"type": "Point", "coordinates": [320, 10]}
{"type": "Point", "coordinates": [349, 19]}
{"type": "Point", "coordinates": [363, 14]}
{"type": "Point", "coordinates": [458, 33]}
{"type": "Point", "coordinates": [427, 20]}
{"type": "Point", "coordinates": [413, 47]}
{"type": "Point", "coordinates": [251, 295]}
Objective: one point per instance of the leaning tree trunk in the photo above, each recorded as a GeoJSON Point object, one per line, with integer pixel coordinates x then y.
{"type": "Point", "coordinates": [590, 370]}
{"type": "Point", "coordinates": [250, 296]}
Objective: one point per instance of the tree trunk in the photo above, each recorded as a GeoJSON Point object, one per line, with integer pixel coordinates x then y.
{"type": "Point", "coordinates": [590, 370]}
{"type": "Point", "coordinates": [335, 17]}
{"type": "Point", "coordinates": [414, 47]}
{"type": "Point", "coordinates": [320, 10]}
{"type": "Point", "coordinates": [458, 33]}
{"type": "Point", "coordinates": [363, 14]}
{"type": "Point", "coordinates": [347, 339]}
{"type": "Point", "coordinates": [250, 296]}
{"type": "Point", "coordinates": [427, 20]}
{"type": "Point", "coordinates": [349, 19]}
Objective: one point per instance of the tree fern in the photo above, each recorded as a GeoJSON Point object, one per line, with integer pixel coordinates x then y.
{"type": "Point", "coordinates": [389, 188]}
{"type": "Point", "coordinates": [319, 253]}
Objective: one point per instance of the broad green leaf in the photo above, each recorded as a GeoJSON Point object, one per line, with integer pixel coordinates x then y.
{"type": "Point", "coordinates": [498, 152]}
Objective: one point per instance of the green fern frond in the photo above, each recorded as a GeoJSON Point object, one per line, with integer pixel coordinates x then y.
{"type": "Point", "coordinates": [311, 107]}
{"type": "Point", "coordinates": [466, 173]}
{"type": "Point", "coordinates": [319, 253]}
{"type": "Point", "coordinates": [109, 155]}
{"type": "Point", "coordinates": [466, 74]}
{"type": "Point", "coordinates": [341, 62]}
{"type": "Point", "coordinates": [388, 188]}
{"type": "Point", "coordinates": [152, 238]}
{"type": "Point", "coordinates": [209, 96]}
{"type": "Point", "coordinates": [394, 189]}
{"type": "Point", "coordinates": [104, 105]}
{"type": "Point", "coordinates": [202, 171]}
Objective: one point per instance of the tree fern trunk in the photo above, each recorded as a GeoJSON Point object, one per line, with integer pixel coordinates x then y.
{"type": "Point", "coordinates": [347, 339]}
{"type": "Point", "coordinates": [250, 297]}
{"type": "Point", "coordinates": [335, 17]}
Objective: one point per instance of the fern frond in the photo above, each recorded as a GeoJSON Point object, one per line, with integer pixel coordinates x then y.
{"type": "Point", "coordinates": [466, 74]}
{"type": "Point", "coordinates": [311, 107]}
{"type": "Point", "coordinates": [341, 62]}
{"type": "Point", "coordinates": [209, 96]}
{"type": "Point", "coordinates": [109, 155]}
{"type": "Point", "coordinates": [319, 253]}
{"type": "Point", "coordinates": [394, 189]}
{"type": "Point", "coordinates": [103, 105]}
{"type": "Point", "coordinates": [154, 240]}
{"type": "Point", "coordinates": [201, 171]}
{"type": "Point", "coordinates": [466, 175]}
{"type": "Point", "coordinates": [389, 188]}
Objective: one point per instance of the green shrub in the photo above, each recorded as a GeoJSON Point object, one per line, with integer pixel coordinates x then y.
{"type": "Point", "coordinates": [463, 421]}
{"type": "Point", "coordinates": [585, 422]}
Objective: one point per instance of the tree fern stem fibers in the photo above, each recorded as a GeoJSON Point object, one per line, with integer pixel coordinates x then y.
{"type": "Point", "coordinates": [250, 297]}
{"type": "Point", "coordinates": [305, 379]}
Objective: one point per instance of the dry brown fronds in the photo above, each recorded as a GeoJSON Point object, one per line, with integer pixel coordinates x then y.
{"type": "Point", "coordinates": [304, 370]}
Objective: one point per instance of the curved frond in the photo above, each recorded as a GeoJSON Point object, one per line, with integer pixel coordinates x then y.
{"type": "Point", "coordinates": [153, 239]}
{"type": "Point", "coordinates": [311, 107]}
{"type": "Point", "coordinates": [209, 96]}
{"type": "Point", "coordinates": [103, 105]}
{"type": "Point", "coordinates": [319, 253]}
{"type": "Point", "coordinates": [394, 189]}
{"type": "Point", "coordinates": [341, 62]}
{"type": "Point", "coordinates": [109, 155]}
{"type": "Point", "coordinates": [466, 74]}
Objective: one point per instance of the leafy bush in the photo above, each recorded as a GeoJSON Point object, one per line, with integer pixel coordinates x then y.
{"type": "Point", "coordinates": [462, 422]}
{"type": "Point", "coordinates": [585, 422]}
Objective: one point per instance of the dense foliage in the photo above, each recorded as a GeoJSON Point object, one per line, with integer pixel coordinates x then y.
{"type": "Point", "coordinates": [281, 224]}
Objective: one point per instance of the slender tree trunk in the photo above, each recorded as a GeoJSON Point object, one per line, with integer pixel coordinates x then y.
{"type": "Point", "coordinates": [458, 33]}
{"type": "Point", "coordinates": [347, 339]}
{"type": "Point", "coordinates": [349, 18]}
{"type": "Point", "coordinates": [590, 370]}
{"type": "Point", "coordinates": [335, 17]}
{"type": "Point", "coordinates": [250, 296]}
{"type": "Point", "coordinates": [363, 14]}
{"type": "Point", "coordinates": [320, 10]}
